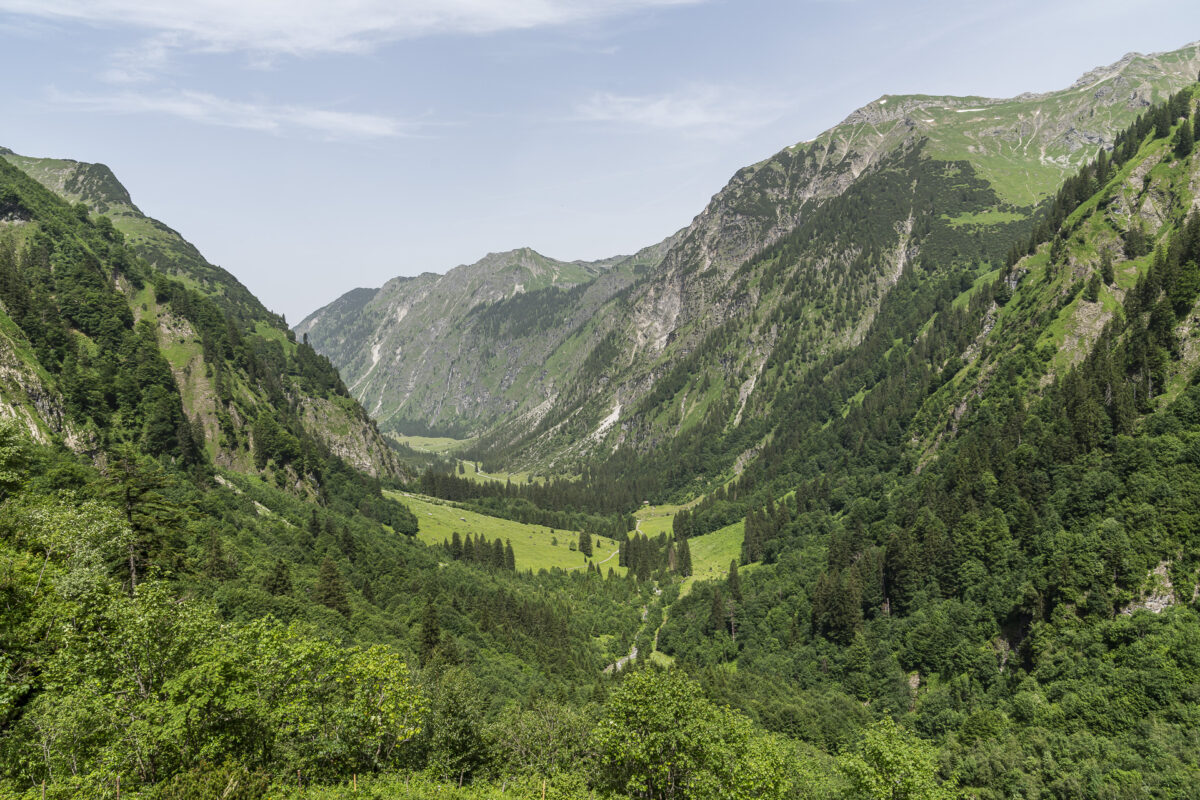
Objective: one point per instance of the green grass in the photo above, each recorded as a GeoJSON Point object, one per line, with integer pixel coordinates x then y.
{"type": "Point", "coordinates": [271, 333]}
{"type": "Point", "coordinates": [447, 446]}
{"type": "Point", "coordinates": [180, 353]}
{"type": "Point", "coordinates": [712, 552]}
{"type": "Point", "coordinates": [989, 217]}
{"type": "Point", "coordinates": [144, 304]}
{"type": "Point", "coordinates": [440, 445]}
{"type": "Point", "coordinates": [983, 280]}
{"type": "Point", "coordinates": [661, 659]}
{"type": "Point", "coordinates": [517, 478]}
{"type": "Point", "coordinates": [653, 520]}
{"type": "Point", "coordinates": [533, 545]}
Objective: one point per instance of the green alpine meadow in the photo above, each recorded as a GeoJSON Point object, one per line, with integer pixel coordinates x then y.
{"type": "Point", "coordinates": [879, 480]}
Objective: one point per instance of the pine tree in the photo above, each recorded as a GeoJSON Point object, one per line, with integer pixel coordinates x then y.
{"type": "Point", "coordinates": [751, 541]}
{"type": "Point", "coordinates": [1185, 140]}
{"type": "Point", "coordinates": [279, 579]}
{"type": "Point", "coordinates": [716, 612]}
{"type": "Point", "coordinates": [645, 560]}
{"type": "Point", "coordinates": [431, 633]}
{"type": "Point", "coordinates": [684, 557]}
{"type": "Point", "coordinates": [216, 566]}
{"type": "Point", "coordinates": [330, 591]}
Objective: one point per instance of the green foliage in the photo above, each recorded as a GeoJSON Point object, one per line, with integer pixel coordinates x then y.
{"type": "Point", "coordinates": [329, 590]}
{"type": "Point", "coordinates": [947, 525]}
{"type": "Point", "coordinates": [892, 765]}
{"type": "Point", "coordinates": [660, 738]}
{"type": "Point", "coordinates": [12, 458]}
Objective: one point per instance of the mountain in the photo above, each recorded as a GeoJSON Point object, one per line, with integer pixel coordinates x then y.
{"type": "Point", "coordinates": [777, 271]}
{"type": "Point", "coordinates": [940, 540]}
{"type": "Point", "coordinates": [222, 398]}
{"type": "Point", "coordinates": [463, 350]}
{"type": "Point", "coordinates": [180, 507]}
{"type": "Point", "coordinates": [994, 485]}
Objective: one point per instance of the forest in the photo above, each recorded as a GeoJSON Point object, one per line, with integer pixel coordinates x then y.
{"type": "Point", "coordinates": [968, 563]}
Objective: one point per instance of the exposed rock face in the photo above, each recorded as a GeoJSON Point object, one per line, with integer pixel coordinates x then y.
{"type": "Point", "coordinates": [25, 395]}
{"type": "Point", "coordinates": [463, 349]}
{"type": "Point", "coordinates": [1159, 594]}
{"type": "Point", "coordinates": [340, 424]}
{"type": "Point", "coordinates": [415, 353]}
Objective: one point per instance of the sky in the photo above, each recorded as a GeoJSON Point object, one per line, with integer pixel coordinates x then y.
{"type": "Point", "coordinates": [314, 147]}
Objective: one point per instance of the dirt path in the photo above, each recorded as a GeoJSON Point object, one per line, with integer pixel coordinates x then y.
{"type": "Point", "coordinates": [598, 563]}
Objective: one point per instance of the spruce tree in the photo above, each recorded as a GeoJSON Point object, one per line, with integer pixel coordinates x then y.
{"type": "Point", "coordinates": [279, 579]}
{"type": "Point", "coordinates": [684, 555]}
{"type": "Point", "coordinates": [585, 543]}
{"type": "Point", "coordinates": [733, 583]}
{"type": "Point", "coordinates": [217, 566]}
{"type": "Point", "coordinates": [330, 591]}
{"type": "Point", "coordinates": [510, 560]}
{"type": "Point", "coordinates": [645, 558]}
{"type": "Point", "coordinates": [431, 633]}
{"type": "Point", "coordinates": [1185, 140]}
{"type": "Point", "coordinates": [716, 612]}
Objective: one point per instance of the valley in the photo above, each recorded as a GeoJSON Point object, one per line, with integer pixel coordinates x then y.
{"type": "Point", "coordinates": [880, 479]}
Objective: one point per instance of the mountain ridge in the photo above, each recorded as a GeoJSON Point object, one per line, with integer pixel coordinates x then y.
{"type": "Point", "coordinates": [186, 332]}
{"type": "Point", "coordinates": [1005, 155]}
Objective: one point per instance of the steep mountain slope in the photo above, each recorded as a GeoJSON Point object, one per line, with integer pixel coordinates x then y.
{"type": "Point", "coordinates": [786, 265]}
{"type": "Point", "coordinates": [987, 511]}
{"type": "Point", "coordinates": [223, 402]}
{"type": "Point", "coordinates": [459, 351]}
{"type": "Point", "coordinates": [171, 522]}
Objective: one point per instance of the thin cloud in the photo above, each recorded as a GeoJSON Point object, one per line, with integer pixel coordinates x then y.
{"type": "Point", "coordinates": [304, 27]}
{"type": "Point", "coordinates": [707, 111]}
{"type": "Point", "coordinates": [144, 62]}
{"type": "Point", "coordinates": [212, 110]}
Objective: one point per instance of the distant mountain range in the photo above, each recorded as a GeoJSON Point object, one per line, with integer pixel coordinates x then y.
{"type": "Point", "coordinates": [546, 363]}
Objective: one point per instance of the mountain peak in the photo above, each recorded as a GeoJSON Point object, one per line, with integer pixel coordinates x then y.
{"type": "Point", "coordinates": [1135, 62]}
{"type": "Point", "coordinates": [77, 182]}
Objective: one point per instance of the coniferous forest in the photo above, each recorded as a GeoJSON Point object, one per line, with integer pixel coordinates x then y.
{"type": "Point", "coordinates": [947, 549]}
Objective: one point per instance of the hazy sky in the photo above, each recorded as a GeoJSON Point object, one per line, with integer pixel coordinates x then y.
{"type": "Point", "coordinates": [312, 147]}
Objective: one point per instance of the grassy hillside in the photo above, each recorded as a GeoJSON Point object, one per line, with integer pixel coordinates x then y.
{"type": "Point", "coordinates": [536, 547]}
